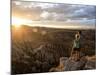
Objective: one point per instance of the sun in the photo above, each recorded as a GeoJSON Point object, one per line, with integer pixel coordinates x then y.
{"type": "Point", "coordinates": [19, 21]}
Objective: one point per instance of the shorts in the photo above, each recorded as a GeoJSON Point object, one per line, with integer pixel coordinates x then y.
{"type": "Point", "coordinates": [76, 49]}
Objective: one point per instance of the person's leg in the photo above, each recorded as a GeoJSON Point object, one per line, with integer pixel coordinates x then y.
{"type": "Point", "coordinates": [76, 57]}
{"type": "Point", "coordinates": [72, 52]}
{"type": "Point", "coordinates": [78, 54]}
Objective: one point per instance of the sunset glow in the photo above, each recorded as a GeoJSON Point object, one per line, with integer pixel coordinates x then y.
{"type": "Point", "coordinates": [19, 21]}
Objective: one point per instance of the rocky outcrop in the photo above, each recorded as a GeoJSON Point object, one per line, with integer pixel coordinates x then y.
{"type": "Point", "coordinates": [69, 64]}
{"type": "Point", "coordinates": [91, 63]}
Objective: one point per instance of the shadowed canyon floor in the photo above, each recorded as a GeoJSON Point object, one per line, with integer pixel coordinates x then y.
{"type": "Point", "coordinates": [40, 49]}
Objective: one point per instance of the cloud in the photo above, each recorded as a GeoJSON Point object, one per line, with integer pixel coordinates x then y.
{"type": "Point", "coordinates": [45, 5]}
{"type": "Point", "coordinates": [39, 11]}
{"type": "Point", "coordinates": [45, 15]}
{"type": "Point", "coordinates": [88, 12]}
{"type": "Point", "coordinates": [83, 21]}
{"type": "Point", "coordinates": [24, 9]}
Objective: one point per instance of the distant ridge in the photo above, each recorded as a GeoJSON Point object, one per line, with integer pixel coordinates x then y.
{"type": "Point", "coordinates": [71, 27]}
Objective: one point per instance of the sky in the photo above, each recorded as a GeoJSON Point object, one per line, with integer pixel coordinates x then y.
{"type": "Point", "coordinates": [55, 12]}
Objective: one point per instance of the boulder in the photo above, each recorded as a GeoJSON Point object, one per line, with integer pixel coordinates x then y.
{"type": "Point", "coordinates": [91, 63]}
{"type": "Point", "coordinates": [71, 64]}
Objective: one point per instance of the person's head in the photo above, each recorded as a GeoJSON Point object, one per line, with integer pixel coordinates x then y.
{"type": "Point", "coordinates": [77, 36]}
{"type": "Point", "coordinates": [79, 32]}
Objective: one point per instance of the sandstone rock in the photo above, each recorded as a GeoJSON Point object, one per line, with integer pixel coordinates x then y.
{"type": "Point", "coordinates": [63, 60]}
{"type": "Point", "coordinates": [68, 64]}
{"type": "Point", "coordinates": [91, 63]}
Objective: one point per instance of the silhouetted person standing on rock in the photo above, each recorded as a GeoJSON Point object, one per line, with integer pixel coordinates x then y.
{"type": "Point", "coordinates": [76, 46]}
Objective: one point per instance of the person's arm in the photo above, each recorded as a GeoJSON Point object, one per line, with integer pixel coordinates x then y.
{"type": "Point", "coordinates": [75, 36]}
{"type": "Point", "coordinates": [72, 47]}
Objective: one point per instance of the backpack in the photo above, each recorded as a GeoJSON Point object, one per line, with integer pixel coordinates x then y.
{"type": "Point", "coordinates": [76, 43]}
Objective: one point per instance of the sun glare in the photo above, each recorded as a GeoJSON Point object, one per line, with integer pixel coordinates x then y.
{"type": "Point", "coordinates": [19, 21]}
